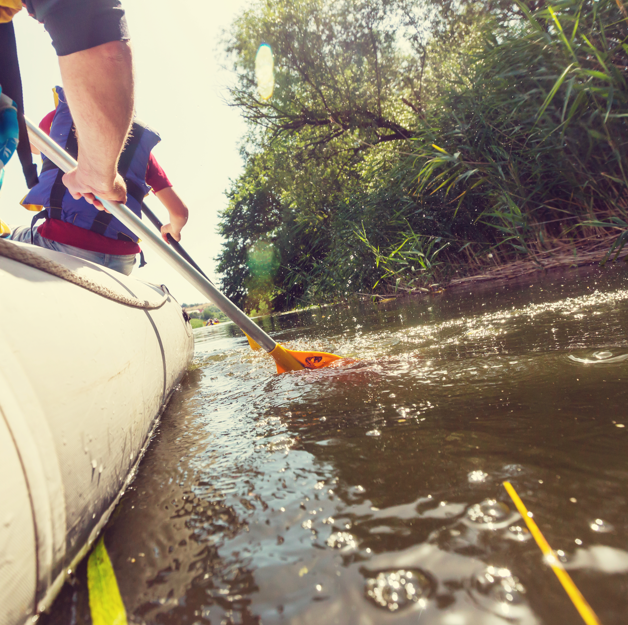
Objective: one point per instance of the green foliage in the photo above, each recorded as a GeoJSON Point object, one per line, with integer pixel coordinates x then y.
{"type": "Point", "coordinates": [405, 144]}
{"type": "Point", "coordinates": [264, 308]}
{"type": "Point", "coordinates": [213, 312]}
{"type": "Point", "coordinates": [196, 323]}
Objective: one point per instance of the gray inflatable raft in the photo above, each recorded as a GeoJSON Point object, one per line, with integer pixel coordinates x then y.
{"type": "Point", "coordinates": [88, 361]}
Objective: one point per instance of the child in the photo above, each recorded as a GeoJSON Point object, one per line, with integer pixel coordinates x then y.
{"type": "Point", "coordinates": [76, 227]}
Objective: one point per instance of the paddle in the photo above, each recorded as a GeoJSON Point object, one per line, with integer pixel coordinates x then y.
{"type": "Point", "coordinates": [173, 242]}
{"type": "Point", "coordinates": [285, 359]}
{"type": "Point", "coordinates": [179, 248]}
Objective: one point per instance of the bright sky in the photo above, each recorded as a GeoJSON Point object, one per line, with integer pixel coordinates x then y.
{"type": "Point", "coordinates": [180, 92]}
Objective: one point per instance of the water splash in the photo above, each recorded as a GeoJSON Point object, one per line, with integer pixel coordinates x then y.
{"type": "Point", "coordinates": [600, 358]}
{"type": "Point", "coordinates": [341, 540]}
{"type": "Point", "coordinates": [498, 590]}
{"type": "Point", "coordinates": [601, 526]}
{"type": "Point", "coordinates": [395, 590]}
{"type": "Point", "coordinates": [518, 533]}
{"type": "Point", "coordinates": [476, 477]}
{"type": "Point", "coordinates": [489, 512]}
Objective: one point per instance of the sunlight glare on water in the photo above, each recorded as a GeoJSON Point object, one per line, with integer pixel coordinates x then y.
{"type": "Point", "coordinates": [374, 490]}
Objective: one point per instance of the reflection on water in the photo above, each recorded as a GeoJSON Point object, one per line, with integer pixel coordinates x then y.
{"type": "Point", "coordinates": [372, 493]}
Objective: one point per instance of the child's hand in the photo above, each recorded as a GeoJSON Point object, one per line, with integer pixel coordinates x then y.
{"type": "Point", "coordinates": [169, 229]}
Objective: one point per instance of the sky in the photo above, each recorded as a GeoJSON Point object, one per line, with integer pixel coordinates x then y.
{"type": "Point", "coordinates": [181, 91]}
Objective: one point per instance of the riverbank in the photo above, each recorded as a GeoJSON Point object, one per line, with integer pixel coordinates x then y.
{"type": "Point", "coordinates": [490, 141]}
{"type": "Point", "coordinates": [562, 255]}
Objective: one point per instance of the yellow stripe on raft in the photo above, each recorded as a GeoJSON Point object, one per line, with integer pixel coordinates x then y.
{"type": "Point", "coordinates": [585, 610]}
{"type": "Point", "coordinates": [105, 602]}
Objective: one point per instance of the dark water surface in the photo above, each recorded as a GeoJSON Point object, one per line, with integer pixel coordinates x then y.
{"type": "Point", "coordinates": [373, 493]}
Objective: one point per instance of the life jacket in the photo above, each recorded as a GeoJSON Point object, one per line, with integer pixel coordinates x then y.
{"type": "Point", "coordinates": [53, 196]}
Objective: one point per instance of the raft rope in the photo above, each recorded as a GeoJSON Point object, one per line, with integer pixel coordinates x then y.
{"type": "Point", "coordinates": [26, 257]}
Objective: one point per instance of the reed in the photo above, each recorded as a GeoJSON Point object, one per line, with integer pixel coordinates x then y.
{"type": "Point", "coordinates": [530, 152]}
{"type": "Point", "coordinates": [514, 146]}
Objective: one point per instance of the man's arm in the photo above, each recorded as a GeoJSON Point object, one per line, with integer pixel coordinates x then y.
{"type": "Point", "coordinates": [91, 39]}
{"type": "Point", "coordinates": [98, 83]}
{"type": "Point", "coordinates": [178, 213]}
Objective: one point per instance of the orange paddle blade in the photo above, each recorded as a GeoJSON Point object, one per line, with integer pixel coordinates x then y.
{"type": "Point", "coordinates": [292, 360]}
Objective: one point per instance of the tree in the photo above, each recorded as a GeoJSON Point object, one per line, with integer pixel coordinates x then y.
{"type": "Point", "coordinates": [407, 133]}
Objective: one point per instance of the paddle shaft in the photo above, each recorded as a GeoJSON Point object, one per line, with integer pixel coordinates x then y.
{"type": "Point", "coordinates": [176, 246]}
{"type": "Point", "coordinates": [66, 163]}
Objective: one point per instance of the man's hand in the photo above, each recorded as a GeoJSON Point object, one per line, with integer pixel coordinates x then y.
{"type": "Point", "coordinates": [169, 229]}
{"type": "Point", "coordinates": [88, 186]}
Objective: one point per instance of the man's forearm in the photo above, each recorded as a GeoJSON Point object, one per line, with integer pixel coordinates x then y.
{"type": "Point", "coordinates": [98, 83]}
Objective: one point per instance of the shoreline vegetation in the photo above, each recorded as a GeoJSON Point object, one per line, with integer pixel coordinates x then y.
{"type": "Point", "coordinates": [418, 142]}
{"type": "Point", "coordinates": [200, 313]}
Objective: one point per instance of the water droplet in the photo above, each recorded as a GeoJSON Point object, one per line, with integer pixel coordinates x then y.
{"type": "Point", "coordinates": [373, 433]}
{"type": "Point", "coordinates": [498, 590]}
{"type": "Point", "coordinates": [489, 511]}
{"type": "Point", "coordinates": [395, 590]}
{"type": "Point", "coordinates": [341, 540]}
{"type": "Point", "coordinates": [94, 464]}
{"type": "Point", "coordinates": [360, 489]}
{"type": "Point", "coordinates": [477, 476]}
{"type": "Point", "coordinates": [601, 526]}
{"type": "Point", "coordinates": [307, 525]}
{"type": "Point", "coordinates": [518, 533]}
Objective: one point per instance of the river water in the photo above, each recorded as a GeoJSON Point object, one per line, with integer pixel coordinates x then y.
{"type": "Point", "coordinates": [372, 493]}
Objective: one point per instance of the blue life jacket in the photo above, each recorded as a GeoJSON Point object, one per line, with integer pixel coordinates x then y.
{"type": "Point", "coordinates": [52, 195]}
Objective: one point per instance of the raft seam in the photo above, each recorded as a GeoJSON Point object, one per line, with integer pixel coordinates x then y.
{"type": "Point", "coordinates": [159, 341]}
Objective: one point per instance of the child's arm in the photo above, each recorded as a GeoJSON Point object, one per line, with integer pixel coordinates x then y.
{"type": "Point", "coordinates": [177, 210]}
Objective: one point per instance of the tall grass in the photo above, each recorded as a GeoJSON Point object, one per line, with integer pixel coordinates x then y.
{"type": "Point", "coordinates": [519, 146]}
{"type": "Point", "coordinates": [529, 147]}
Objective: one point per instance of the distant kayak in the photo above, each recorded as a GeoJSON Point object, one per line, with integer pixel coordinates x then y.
{"type": "Point", "coordinates": [88, 360]}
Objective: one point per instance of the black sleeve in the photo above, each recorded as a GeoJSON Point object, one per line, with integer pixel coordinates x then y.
{"type": "Point", "coordinates": [11, 83]}
{"type": "Point", "coordinates": [76, 25]}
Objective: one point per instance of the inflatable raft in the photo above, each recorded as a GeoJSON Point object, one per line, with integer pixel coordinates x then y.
{"type": "Point", "coordinates": [88, 361]}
